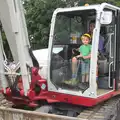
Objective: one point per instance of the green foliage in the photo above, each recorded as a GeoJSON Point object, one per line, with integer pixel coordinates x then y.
{"type": "Point", "coordinates": [113, 2]}
{"type": "Point", "coordinates": [39, 14]}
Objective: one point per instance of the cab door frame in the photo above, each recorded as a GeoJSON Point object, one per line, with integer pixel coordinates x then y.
{"type": "Point", "coordinates": [117, 61]}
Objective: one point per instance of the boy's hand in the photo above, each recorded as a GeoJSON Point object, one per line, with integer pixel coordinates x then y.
{"type": "Point", "coordinates": [78, 56]}
{"type": "Point", "coordinates": [85, 57]}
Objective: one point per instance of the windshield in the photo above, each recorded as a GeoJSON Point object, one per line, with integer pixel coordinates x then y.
{"type": "Point", "coordinates": [69, 28]}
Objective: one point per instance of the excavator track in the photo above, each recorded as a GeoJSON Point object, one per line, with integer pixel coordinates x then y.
{"type": "Point", "coordinates": [104, 111]}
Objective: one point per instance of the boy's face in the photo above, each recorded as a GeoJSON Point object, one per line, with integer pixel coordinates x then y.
{"type": "Point", "coordinates": [85, 40]}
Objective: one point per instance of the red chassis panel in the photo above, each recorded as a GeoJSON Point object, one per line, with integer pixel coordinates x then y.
{"type": "Point", "coordinates": [52, 97]}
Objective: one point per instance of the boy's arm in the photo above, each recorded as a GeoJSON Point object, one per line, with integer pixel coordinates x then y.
{"type": "Point", "coordinates": [78, 56]}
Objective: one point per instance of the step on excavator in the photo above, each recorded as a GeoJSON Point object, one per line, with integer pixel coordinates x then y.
{"type": "Point", "coordinates": [57, 92]}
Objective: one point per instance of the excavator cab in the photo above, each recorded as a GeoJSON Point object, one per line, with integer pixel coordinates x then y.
{"type": "Point", "coordinates": [67, 27]}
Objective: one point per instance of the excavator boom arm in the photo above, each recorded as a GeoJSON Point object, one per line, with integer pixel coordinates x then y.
{"type": "Point", "coordinates": [14, 25]}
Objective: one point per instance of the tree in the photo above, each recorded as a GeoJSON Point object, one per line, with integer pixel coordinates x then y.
{"type": "Point", "coordinates": [113, 2]}
{"type": "Point", "coordinates": [38, 16]}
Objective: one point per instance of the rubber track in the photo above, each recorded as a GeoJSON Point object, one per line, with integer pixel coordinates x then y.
{"type": "Point", "coordinates": [105, 111]}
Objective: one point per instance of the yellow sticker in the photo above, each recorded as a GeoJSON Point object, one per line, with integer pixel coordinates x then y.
{"type": "Point", "coordinates": [74, 38]}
